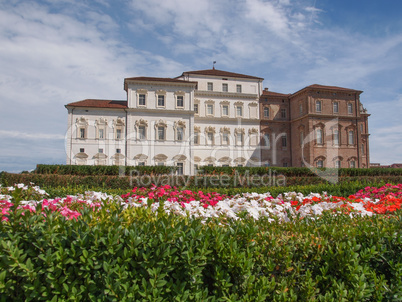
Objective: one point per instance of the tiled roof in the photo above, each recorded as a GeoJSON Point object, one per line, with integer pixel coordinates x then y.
{"type": "Point", "coordinates": [99, 104]}
{"type": "Point", "coordinates": [220, 73]}
{"type": "Point", "coordinates": [153, 79]}
{"type": "Point", "coordinates": [331, 88]}
{"type": "Point", "coordinates": [317, 86]}
{"type": "Point", "coordinates": [271, 93]}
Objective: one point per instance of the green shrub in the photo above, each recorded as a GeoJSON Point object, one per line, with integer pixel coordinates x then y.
{"type": "Point", "coordinates": [134, 255]}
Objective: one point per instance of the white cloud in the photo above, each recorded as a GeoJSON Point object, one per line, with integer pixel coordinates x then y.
{"type": "Point", "coordinates": [30, 136]}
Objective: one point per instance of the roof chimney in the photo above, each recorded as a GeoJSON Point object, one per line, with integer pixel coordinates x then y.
{"type": "Point", "coordinates": [266, 89]}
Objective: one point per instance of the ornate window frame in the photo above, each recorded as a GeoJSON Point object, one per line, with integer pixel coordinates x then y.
{"type": "Point", "coordinates": [320, 161]}
{"type": "Point", "coordinates": [318, 106]}
{"type": "Point", "coordinates": [118, 125]}
{"type": "Point", "coordinates": [158, 93]}
{"type": "Point", "coordinates": [225, 132]}
{"type": "Point", "coordinates": [197, 136]}
{"type": "Point", "coordinates": [101, 124]}
{"type": "Point", "coordinates": [141, 123]}
{"type": "Point", "coordinates": [158, 124]}
{"type": "Point", "coordinates": [208, 130]}
{"type": "Point", "coordinates": [239, 105]}
{"type": "Point", "coordinates": [179, 125]}
{"type": "Point", "coordinates": [179, 94]}
{"type": "Point", "coordinates": [239, 132]}
{"type": "Point", "coordinates": [225, 103]}
{"type": "Point", "coordinates": [82, 127]}
{"type": "Point", "coordinates": [351, 133]}
{"type": "Point", "coordinates": [253, 133]}
{"type": "Point", "coordinates": [207, 104]}
{"type": "Point", "coordinates": [197, 102]}
{"type": "Point", "coordinates": [142, 92]}
{"type": "Point", "coordinates": [319, 130]}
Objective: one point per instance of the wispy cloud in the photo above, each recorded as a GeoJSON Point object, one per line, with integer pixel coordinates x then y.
{"type": "Point", "coordinates": [30, 136]}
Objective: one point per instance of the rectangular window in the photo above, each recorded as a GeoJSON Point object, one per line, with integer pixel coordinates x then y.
{"type": "Point", "coordinates": [225, 110]}
{"type": "Point", "coordinates": [161, 133]}
{"type": "Point", "coordinates": [100, 150]}
{"type": "Point", "coordinates": [225, 138]}
{"type": "Point", "coordinates": [266, 112]}
{"type": "Point", "coordinates": [283, 113]}
{"type": "Point", "coordinates": [284, 141]}
{"type": "Point", "coordinates": [118, 151]}
{"type": "Point", "coordinates": [350, 108]}
{"type": "Point", "coordinates": [318, 106]}
{"type": "Point", "coordinates": [196, 108]}
{"type": "Point", "coordinates": [320, 163]}
{"type": "Point", "coordinates": [101, 134]}
{"type": "Point", "coordinates": [180, 168]}
{"type": "Point", "coordinates": [180, 101]}
{"type": "Point", "coordinates": [180, 133]}
{"type": "Point", "coordinates": [362, 149]}
{"type": "Point", "coordinates": [267, 142]}
{"type": "Point", "coordinates": [82, 132]}
{"type": "Point", "coordinates": [285, 164]}
{"type": "Point", "coordinates": [161, 101]}
{"type": "Point", "coordinates": [352, 164]}
{"type": "Point", "coordinates": [337, 164]}
{"type": "Point", "coordinates": [301, 108]}
{"type": "Point", "coordinates": [118, 133]}
{"type": "Point", "coordinates": [239, 111]}
{"type": "Point", "coordinates": [82, 150]}
{"type": "Point", "coordinates": [351, 137]}
{"type": "Point", "coordinates": [210, 86]}
{"type": "Point", "coordinates": [161, 163]}
{"type": "Point", "coordinates": [239, 139]}
{"type": "Point", "coordinates": [319, 139]}
{"type": "Point", "coordinates": [210, 138]}
{"type": "Point", "coordinates": [238, 88]}
{"type": "Point", "coordinates": [142, 132]}
{"type": "Point", "coordinates": [225, 87]}
{"type": "Point", "coordinates": [301, 138]}
{"type": "Point", "coordinates": [210, 109]}
{"type": "Point", "coordinates": [196, 138]}
{"type": "Point", "coordinates": [141, 163]}
{"type": "Point", "coordinates": [336, 107]}
{"type": "Point", "coordinates": [141, 100]}
{"type": "Point", "coordinates": [361, 128]}
{"type": "Point", "coordinates": [336, 137]}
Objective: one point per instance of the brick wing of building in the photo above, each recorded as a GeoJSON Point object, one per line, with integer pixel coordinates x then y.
{"type": "Point", "coordinates": [219, 118]}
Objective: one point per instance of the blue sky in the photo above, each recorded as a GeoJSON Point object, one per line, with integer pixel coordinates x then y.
{"type": "Point", "coordinates": [53, 52]}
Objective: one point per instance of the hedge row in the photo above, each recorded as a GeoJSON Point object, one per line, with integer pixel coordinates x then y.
{"type": "Point", "coordinates": [200, 181]}
{"type": "Point", "coordinates": [160, 170]}
{"type": "Point", "coordinates": [103, 170]}
{"type": "Point", "coordinates": [137, 256]}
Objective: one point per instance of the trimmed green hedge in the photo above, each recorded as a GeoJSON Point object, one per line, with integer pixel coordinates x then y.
{"type": "Point", "coordinates": [200, 181]}
{"type": "Point", "coordinates": [160, 170]}
{"type": "Point", "coordinates": [85, 170]}
{"type": "Point", "coordinates": [133, 255]}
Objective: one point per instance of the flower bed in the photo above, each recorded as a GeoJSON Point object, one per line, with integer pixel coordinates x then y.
{"type": "Point", "coordinates": [371, 200]}
{"type": "Point", "coordinates": [162, 244]}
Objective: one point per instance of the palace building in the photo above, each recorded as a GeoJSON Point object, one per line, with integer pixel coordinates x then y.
{"type": "Point", "coordinates": [219, 118]}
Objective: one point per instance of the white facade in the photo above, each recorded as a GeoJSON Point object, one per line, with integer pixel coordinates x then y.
{"type": "Point", "coordinates": [206, 117]}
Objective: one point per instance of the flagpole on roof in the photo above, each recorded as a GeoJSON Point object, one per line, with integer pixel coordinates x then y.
{"type": "Point", "coordinates": [213, 65]}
